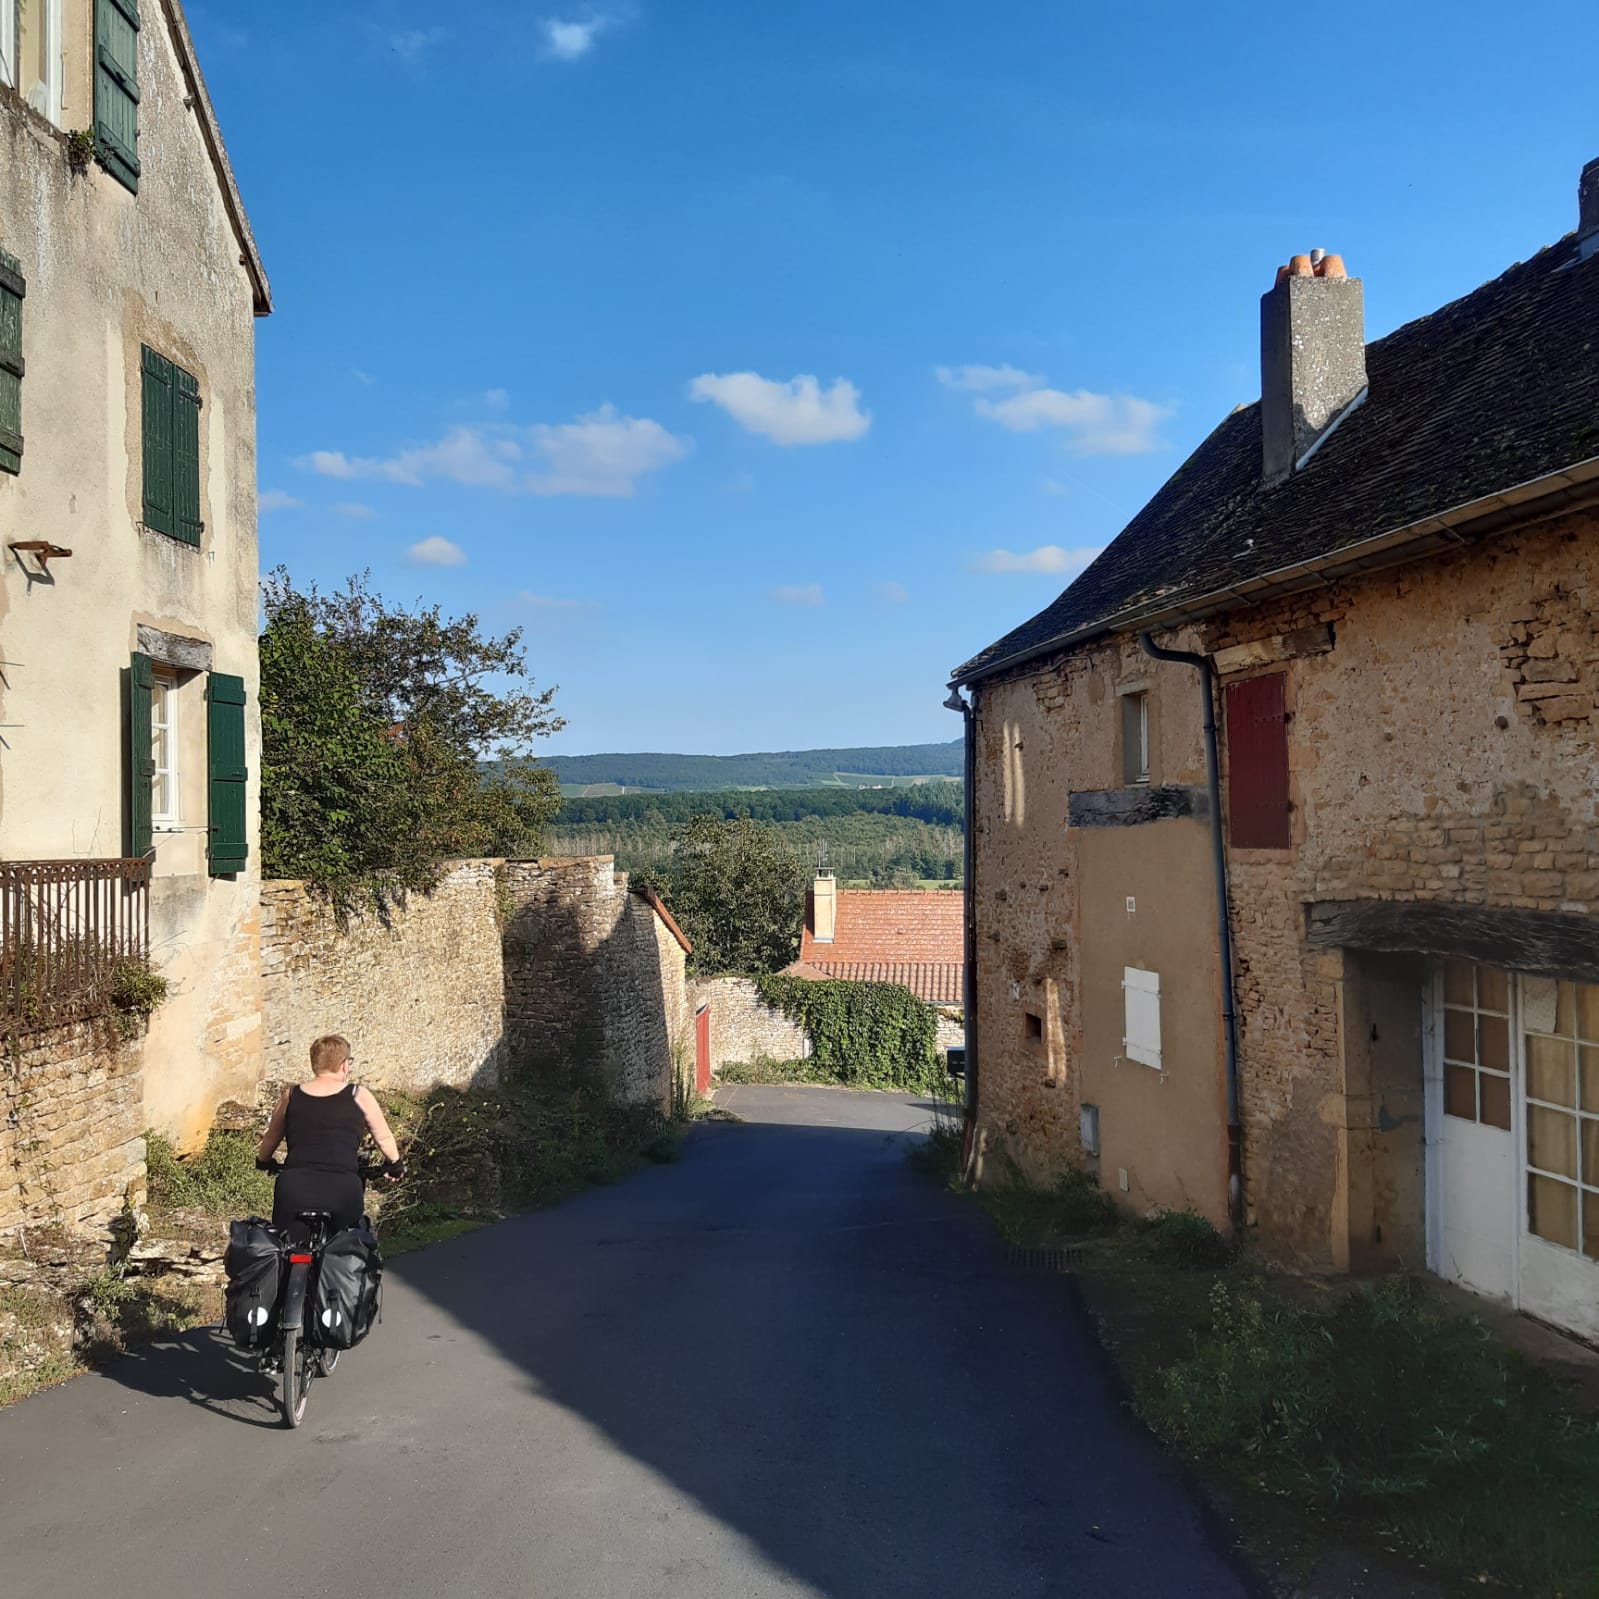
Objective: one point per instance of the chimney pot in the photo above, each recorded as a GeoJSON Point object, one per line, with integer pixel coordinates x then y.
{"type": "Point", "coordinates": [1317, 257]}
{"type": "Point", "coordinates": [1312, 359]}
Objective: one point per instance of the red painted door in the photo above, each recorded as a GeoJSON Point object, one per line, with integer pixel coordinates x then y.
{"type": "Point", "coordinates": [702, 1050]}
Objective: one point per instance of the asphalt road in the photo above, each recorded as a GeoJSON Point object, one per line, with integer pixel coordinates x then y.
{"type": "Point", "coordinates": [785, 1365]}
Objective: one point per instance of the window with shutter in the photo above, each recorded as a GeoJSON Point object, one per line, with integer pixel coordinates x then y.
{"type": "Point", "coordinates": [170, 398]}
{"type": "Point", "coordinates": [141, 757]}
{"type": "Point", "coordinates": [1141, 1009]}
{"type": "Point", "coordinates": [227, 775]}
{"type": "Point", "coordinates": [1257, 764]}
{"type": "Point", "coordinates": [116, 88]}
{"type": "Point", "coordinates": [12, 290]}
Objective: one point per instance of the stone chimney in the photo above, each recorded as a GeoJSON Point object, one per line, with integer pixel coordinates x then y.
{"type": "Point", "coordinates": [1312, 358]}
{"type": "Point", "coordinates": [1588, 209]}
{"type": "Point", "coordinates": [824, 908]}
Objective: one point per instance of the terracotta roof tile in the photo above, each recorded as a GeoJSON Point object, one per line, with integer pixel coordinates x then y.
{"type": "Point", "coordinates": [913, 937]}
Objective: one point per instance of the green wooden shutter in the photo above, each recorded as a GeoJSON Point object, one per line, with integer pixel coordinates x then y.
{"type": "Point", "coordinates": [116, 88]}
{"type": "Point", "coordinates": [12, 289]}
{"type": "Point", "coordinates": [158, 388]}
{"type": "Point", "coordinates": [141, 757]}
{"type": "Point", "coordinates": [186, 458]}
{"type": "Point", "coordinates": [228, 776]}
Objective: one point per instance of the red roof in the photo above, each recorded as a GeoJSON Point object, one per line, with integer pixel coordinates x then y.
{"type": "Point", "coordinates": [913, 937]}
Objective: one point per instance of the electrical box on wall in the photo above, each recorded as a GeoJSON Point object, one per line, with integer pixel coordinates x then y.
{"type": "Point", "coordinates": [1088, 1129]}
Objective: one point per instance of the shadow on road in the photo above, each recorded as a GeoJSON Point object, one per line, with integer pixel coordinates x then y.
{"type": "Point", "coordinates": [203, 1368]}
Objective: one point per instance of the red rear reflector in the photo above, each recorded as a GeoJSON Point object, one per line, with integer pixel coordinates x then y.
{"type": "Point", "coordinates": [301, 1260]}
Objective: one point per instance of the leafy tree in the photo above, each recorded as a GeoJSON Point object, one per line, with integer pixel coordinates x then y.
{"type": "Point", "coordinates": [374, 722]}
{"type": "Point", "coordinates": [738, 892]}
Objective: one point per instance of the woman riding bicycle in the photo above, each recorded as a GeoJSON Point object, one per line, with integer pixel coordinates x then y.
{"type": "Point", "coordinates": [325, 1121]}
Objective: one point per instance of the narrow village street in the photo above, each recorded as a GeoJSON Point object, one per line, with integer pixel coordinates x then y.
{"type": "Point", "coordinates": [786, 1364]}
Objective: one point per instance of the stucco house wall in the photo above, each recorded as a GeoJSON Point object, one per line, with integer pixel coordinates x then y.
{"type": "Point", "coordinates": [107, 271]}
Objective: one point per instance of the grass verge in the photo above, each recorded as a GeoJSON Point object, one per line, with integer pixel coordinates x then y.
{"type": "Point", "coordinates": [1326, 1419]}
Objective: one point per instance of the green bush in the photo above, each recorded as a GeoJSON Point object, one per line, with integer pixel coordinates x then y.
{"type": "Point", "coordinates": [864, 1035]}
{"type": "Point", "coordinates": [1034, 1215]}
{"type": "Point", "coordinates": [477, 1156]}
{"type": "Point", "coordinates": [1382, 1400]}
{"type": "Point", "coordinates": [221, 1179]}
{"type": "Point", "coordinates": [1185, 1238]}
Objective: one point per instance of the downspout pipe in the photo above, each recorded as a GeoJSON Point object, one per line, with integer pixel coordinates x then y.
{"type": "Point", "coordinates": [1224, 937]}
{"type": "Point", "coordinates": [968, 921]}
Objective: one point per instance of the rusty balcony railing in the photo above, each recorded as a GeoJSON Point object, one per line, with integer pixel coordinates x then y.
{"type": "Point", "coordinates": [66, 927]}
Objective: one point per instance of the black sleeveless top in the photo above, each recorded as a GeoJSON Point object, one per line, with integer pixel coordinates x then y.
{"type": "Point", "coordinates": [324, 1131]}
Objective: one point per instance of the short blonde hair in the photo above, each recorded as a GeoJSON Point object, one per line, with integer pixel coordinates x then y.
{"type": "Point", "coordinates": [329, 1053]}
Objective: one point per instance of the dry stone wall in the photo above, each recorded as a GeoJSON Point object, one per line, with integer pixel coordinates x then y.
{"type": "Point", "coordinates": [418, 992]}
{"type": "Point", "coordinates": [743, 1028]}
{"type": "Point", "coordinates": [593, 978]}
{"type": "Point", "coordinates": [71, 1126]}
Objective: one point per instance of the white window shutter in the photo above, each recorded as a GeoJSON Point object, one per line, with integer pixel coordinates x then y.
{"type": "Point", "coordinates": [1141, 1002]}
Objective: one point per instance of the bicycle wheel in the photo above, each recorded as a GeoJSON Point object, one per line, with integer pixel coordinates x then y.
{"type": "Point", "coordinates": [296, 1380]}
{"type": "Point", "coordinates": [328, 1361]}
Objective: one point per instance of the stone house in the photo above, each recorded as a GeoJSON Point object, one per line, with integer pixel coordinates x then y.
{"type": "Point", "coordinates": [129, 285]}
{"type": "Point", "coordinates": [909, 937]}
{"type": "Point", "coordinates": [1286, 853]}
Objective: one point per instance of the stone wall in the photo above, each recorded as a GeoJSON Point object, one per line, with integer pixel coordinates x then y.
{"type": "Point", "coordinates": [546, 966]}
{"type": "Point", "coordinates": [418, 992]}
{"type": "Point", "coordinates": [593, 978]}
{"type": "Point", "coordinates": [743, 1029]}
{"type": "Point", "coordinates": [71, 1126]}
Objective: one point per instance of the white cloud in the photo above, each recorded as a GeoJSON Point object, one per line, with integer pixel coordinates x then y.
{"type": "Point", "coordinates": [601, 454]}
{"type": "Point", "coordinates": [1093, 424]}
{"type": "Point", "coordinates": [796, 412]}
{"type": "Point", "coordinates": [1046, 558]}
{"type": "Point", "coordinates": [411, 45]}
{"type": "Point", "coordinates": [435, 552]}
{"type": "Point", "coordinates": [355, 511]}
{"type": "Point", "coordinates": [984, 379]}
{"type": "Point", "coordinates": [891, 593]}
{"type": "Point", "coordinates": [798, 594]}
{"type": "Point", "coordinates": [568, 40]}
{"type": "Point", "coordinates": [276, 500]}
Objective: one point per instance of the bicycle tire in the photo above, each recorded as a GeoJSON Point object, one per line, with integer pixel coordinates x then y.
{"type": "Point", "coordinates": [295, 1383]}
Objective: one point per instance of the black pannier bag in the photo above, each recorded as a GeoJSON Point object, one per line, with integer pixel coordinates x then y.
{"type": "Point", "coordinates": [344, 1297]}
{"type": "Point", "coordinates": [254, 1264]}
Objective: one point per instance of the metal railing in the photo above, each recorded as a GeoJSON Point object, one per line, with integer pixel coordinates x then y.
{"type": "Point", "coordinates": [66, 927]}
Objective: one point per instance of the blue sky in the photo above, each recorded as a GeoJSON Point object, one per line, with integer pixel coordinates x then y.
{"type": "Point", "coordinates": [765, 360]}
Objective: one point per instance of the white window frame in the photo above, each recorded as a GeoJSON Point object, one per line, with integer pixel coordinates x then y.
{"type": "Point", "coordinates": [166, 797]}
{"type": "Point", "coordinates": [1141, 770]}
{"type": "Point", "coordinates": [45, 96]}
{"type": "Point", "coordinates": [8, 43]}
{"type": "Point", "coordinates": [1141, 1014]}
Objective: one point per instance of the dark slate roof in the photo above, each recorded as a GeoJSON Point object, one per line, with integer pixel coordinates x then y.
{"type": "Point", "coordinates": [1492, 391]}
